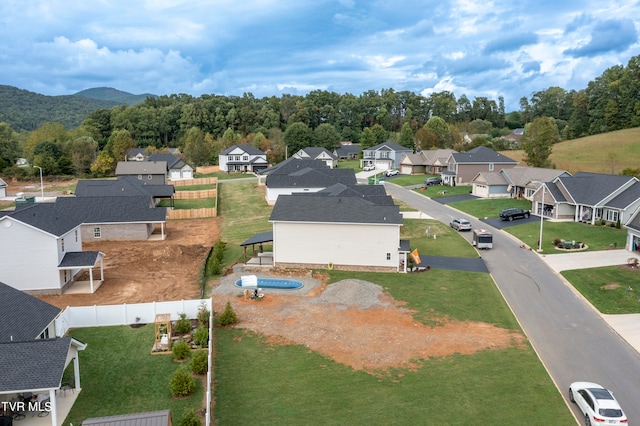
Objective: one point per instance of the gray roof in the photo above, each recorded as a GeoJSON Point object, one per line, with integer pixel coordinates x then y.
{"type": "Point", "coordinates": [389, 145]}
{"type": "Point", "coordinates": [44, 216]}
{"type": "Point", "coordinates": [23, 316]}
{"type": "Point", "coordinates": [79, 259]}
{"type": "Point", "coordinates": [345, 150]}
{"type": "Point", "coordinates": [249, 149]}
{"type": "Point", "coordinates": [152, 418]}
{"type": "Point", "coordinates": [317, 207]}
{"type": "Point", "coordinates": [141, 168]}
{"type": "Point", "coordinates": [124, 186]}
{"type": "Point", "coordinates": [481, 154]}
{"type": "Point", "coordinates": [3, 184]}
{"type": "Point", "coordinates": [592, 188]}
{"type": "Point", "coordinates": [522, 176]}
{"type": "Point", "coordinates": [375, 194]}
{"type": "Point", "coordinates": [315, 151]}
{"type": "Point", "coordinates": [634, 222]}
{"type": "Point", "coordinates": [173, 162]}
{"type": "Point", "coordinates": [490, 178]}
{"type": "Point", "coordinates": [110, 209]}
{"type": "Point", "coordinates": [262, 237]}
{"type": "Point", "coordinates": [626, 198]}
{"type": "Point", "coordinates": [293, 164]}
{"type": "Point", "coordinates": [311, 178]}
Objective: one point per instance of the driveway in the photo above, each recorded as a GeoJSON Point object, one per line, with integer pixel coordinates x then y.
{"type": "Point", "coordinates": [498, 223]}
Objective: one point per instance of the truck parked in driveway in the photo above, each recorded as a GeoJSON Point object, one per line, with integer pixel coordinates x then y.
{"type": "Point", "coordinates": [514, 213]}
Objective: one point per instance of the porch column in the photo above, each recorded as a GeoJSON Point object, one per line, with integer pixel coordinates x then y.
{"type": "Point", "coordinates": [54, 407]}
{"type": "Point", "coordinates": [91, 279]}
{"type": "Point", "coordinates": [76, 372]}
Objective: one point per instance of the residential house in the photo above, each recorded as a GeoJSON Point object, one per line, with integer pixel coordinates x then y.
{"type": "Point", "coordinates": [347, 151]}
{"type": "Point", "coordinates": [41, 250]}
{"type": "Point", "coordinates": [124, 186]}
{"type": "Point", "coordinates": [589, 197]}
{"type": "Point", "coordinates": [3, 188]}
{"type": "Point", "coordinates": [177, 168]}
{"type": "Point", "coordinates": [385, 156]}
{"type": "Point", "coordinates": [514, 182]}
{"type": "Point", "coordinates": [242, 158]}
{"type": "Point", "coordinates": [32, 358]}
{"type": "Point", "coordinates": [294, 175]}
{"type": "Point", "coordinates": [515, 136]}
{"type": "Point", "coordinates": [151, 172]}
{"type": "Point", "coordinates": [462, 167]}
{"type": "Point", "coordinates": [317, 153]}
{"type": "Point", "coordinates": [353, 227]}
{"type": "Point", "coordinates": [136, 154]}
{"type": "Point", "coordinates": [633, 232]}
{"type": "Point", "coordinates": [432, 161]}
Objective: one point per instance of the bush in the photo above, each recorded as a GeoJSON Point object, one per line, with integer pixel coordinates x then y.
{"type": "Point", "coordinates": [180, 349]}
{"type": "Point", "coordinates": [201, 336]}
{"type": "Point", "coordinates": [182, 383]}
{"type": "Point", "coordinates": [228, 316]}
{"type": "Point", "coordinates": [557, 241]}
{"type": "Point", "coordinates": [189, 418]}
{"type": "Point", "coordinates": [199, 362]}
{"type": "Point", "coordinates": [183, 325]}
{"type": "Point", "coordinates": [203, 315]}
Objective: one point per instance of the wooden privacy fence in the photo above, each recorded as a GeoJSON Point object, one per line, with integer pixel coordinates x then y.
{"type": "Point", "coordinates": [198, 181]}
{"type": "Point", "coordinates": [191, 213]}
{"type": "Point", "coordinates": [191, 195]}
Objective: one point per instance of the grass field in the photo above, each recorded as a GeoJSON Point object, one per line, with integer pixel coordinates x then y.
{"type": "Point", "coordinates": [489, 207]}
{"type": "Point", "coordinates": [611, 289]}
{"type": "Point", "coordinates": [605, 153]}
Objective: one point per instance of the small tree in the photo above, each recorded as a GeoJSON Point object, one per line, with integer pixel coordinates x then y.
{"type": "Point", "coordinates": [189, 418]}
{"type": "Point", "coordinates": [199, 362]}
{"type": "Point", "coordinates": [201, 336]}
{"type": "Point", "coordinates": [183, 325]}
{"type": "Point", "coordinates": [203, 315]}
{"type": "Point", "coordinates": [182, 383]}
{"type": "Point", "coordinates": [228, 316]}
{"type": "Point", "coordinates": [180, 349]}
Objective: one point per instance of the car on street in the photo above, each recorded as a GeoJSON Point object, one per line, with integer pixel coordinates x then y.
{"type": "Point", "coordinates": [392, 172]}
{"type": "Point", "coordinates": [514, 213]}
{"type": "Point", "coordinates": [597, 404]}
{"type": "Point", "coordinates": [433, 181]}
{"type": "Point", "coordinates": [368, 168]}
{"type": "Point", "coordinates": [460, 224]}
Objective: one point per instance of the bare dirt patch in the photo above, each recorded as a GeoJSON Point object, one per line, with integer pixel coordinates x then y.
{"type": "Point", "coordinates": [147, 271]}
{"type": "Point", "coordinates": [367, 336]}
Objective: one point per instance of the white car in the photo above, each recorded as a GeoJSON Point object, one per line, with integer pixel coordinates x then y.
{"type": "Point", "coordinates": [368, 168]}
{"type": "Point", "coordinates": [597, 404]}
{"type": "Point", "coordinates": [392, 172]}
{"type": "Point", "coordinates": [460, 224]}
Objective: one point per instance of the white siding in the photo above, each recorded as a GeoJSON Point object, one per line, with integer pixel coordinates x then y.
{"type": "Point", "coordinates": [342, 244]}
{"type": "Point", "coordinates": [273, 193]}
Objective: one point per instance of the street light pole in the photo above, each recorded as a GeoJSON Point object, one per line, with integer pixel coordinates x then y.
{"type": "Point", "coordinates": [541, 219]}
{"type": "Point", "coordinates": [41, 184]}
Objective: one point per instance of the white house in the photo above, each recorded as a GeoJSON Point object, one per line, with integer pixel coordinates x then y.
{"type": "Point", "coordinates": [177, 168]}
{"type": "Point", "coordinates": [242, 158]}
{"type": "Point", "coordinates": [385, 156]}
{"type": "Point", "coordinates": [633, 232]}
{"type": "Point", "coordinates": [318, 153]}
{"type": "Point", "coordinates": [41, 250]}
{"type": "Point", "coordinates": [344, 227]}
{"type": "Point", "coordinates": [3, 188]}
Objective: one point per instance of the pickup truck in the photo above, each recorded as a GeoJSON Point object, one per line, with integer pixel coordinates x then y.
{"type": "Point", "coordinates": [514, 213]}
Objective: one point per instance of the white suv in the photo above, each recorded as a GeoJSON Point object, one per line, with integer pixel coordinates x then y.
{"type": "Point", "coordinates": [392, 172]}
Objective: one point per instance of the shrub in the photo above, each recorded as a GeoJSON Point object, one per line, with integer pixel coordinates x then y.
{"type": "Point", "coordinates": [183, 325]}
{"type": "Point", "coordinates": [180, 349]}
{"type": "Point", "coordinates": [556, 241]}
{"type": "Point", "coordinates": [203, 315]}
{"type": "Point", "coordinates": [618, 223]}
{"type": "Point", "coordinates": [199, 362]}
{"type": "Point", "coordinates": [189, 418]}
{"type": "Point", "coordinates": [228, 316]}
{"type": "Point", "coordinates": [201, 336]}
{"type": "Point", "coordinates": [182, 383]}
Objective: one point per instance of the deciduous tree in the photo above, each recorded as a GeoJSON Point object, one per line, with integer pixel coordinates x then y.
{"type": "Point", "coordinates": [538, 140]}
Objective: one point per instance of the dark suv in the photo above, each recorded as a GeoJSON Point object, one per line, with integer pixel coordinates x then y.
{"type": "Point", "coordinates": [514, 213]}
{"type": "Point", "coordinates": [433, 181]}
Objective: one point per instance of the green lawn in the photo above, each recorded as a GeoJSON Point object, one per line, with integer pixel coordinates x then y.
{"type": "Point", "coordinates": [611, 289]}
{"type": "Point", "coordinates": [408, 180]}
{"type": "Point", "coordinates": [257, 382]}
{"type": "Point", "coordinates": [440, 191]}
{"type": "Point", "coordinates": [225, 176]}
{"type": "Point", "coordinates": [594, 236]}
{"type": "Point", "coordinates": [447, 242]}
{"type": "Point", "coordinates": [120, 376]}
{"type": "Point", "coordinates": [491, 207]}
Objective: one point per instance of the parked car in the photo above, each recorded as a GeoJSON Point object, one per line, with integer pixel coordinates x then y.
{"type": "Point", "coordinates": [368, 168]}
{"type": "Point", "coordinates": [598, 405]}
{"type": "Point", "coordinates": [433, 181]}
{"type": "Point", "coordinates": [514, 213]}
{"type": "Point", "coordinates": [392, 172]}
{"type": "Point", "coordinates": [460, 224]}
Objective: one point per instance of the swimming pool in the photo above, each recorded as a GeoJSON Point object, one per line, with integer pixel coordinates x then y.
{"type": "Point", "coordinates": [276, 283]}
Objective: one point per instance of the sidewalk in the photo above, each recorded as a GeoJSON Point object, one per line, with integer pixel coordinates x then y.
{"type": "Point", "coordinates": [626, 325]}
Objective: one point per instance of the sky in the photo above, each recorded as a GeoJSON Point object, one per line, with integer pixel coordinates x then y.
{"type": "Point", "coordinates": [486, 48]}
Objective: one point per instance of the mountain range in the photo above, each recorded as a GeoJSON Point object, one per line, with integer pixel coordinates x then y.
{"type": "Point", "coordinates": [25, 111]}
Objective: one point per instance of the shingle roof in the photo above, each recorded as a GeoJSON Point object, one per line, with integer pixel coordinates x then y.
{"type": "Point", "coordinates": [481, 154]}
{"type": "Point", "coordinates": [417, 159]}
{"type": "Point", "coordinates": [46, 217]}
{"type": "Point", "coordinates": [490, 178]}
{"type": "Point", "coordinates": [23, 316]}
{"type": "Point", "coordinates": [627, 197]}
{"type": "Point", "coordinates": [292, 164]}
{"type": "Point", "coordinates": [522, 176]}
{"type": "Point", "coordinates": [36, 364]}
{"type": "Point", "coordinates": [141, 168]}
{"type": "Point", "coordinates": [124, 186]}
{"type": "Point", "coordinates": [3, 184]}
{"type": "Point", "coordinates": [249, 149]}
{"type": "Point", "coordinates": [172, 161]}
{"type": "Point", "coordinates": [79, 259]}
{"type": "Point", "coordinates": [375, 194]}
{"type": "Point", "coordinates": [389, 145]}
{"type": "Point", "coordinates": [315, 151]}
{"type": "Point", "coordinates": [110, 209]}
{"type": "Point", "coordinates": [153, 418]}
{"type": "Point", "coordinates": [592, 188]}
{"type": "Point", "coordinates": [311, 178]}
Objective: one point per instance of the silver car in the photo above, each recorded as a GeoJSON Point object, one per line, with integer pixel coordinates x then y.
{"type": "Point", "coordinates": [460, 224]}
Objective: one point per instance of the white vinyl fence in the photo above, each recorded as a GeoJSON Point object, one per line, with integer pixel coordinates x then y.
{"type": "Point", "coordinates": [138, 313]}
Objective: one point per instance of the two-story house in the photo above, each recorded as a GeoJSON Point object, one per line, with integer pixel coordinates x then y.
{"type": "Point", "coordinates": [317, 153]}
{"type": "Point", "coordinates": [150, 172]}
{"type": "Point", "coordinates": [242, 158]}
{"type": "Point", "coordinates": [385, 156]}
{"type": "Point", "coordinates": [462, 167]}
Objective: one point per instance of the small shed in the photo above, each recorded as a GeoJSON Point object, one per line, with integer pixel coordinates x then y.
{"type": "Point", "coordinates": [163, 331]}
{"type": "Point", "coordinates": [151, 418]}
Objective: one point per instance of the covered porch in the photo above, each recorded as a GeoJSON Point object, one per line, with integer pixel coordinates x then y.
{"type": "Point", "coordinates": [258, 257]}
{"type": "Point", "coordinates": [83, 261]}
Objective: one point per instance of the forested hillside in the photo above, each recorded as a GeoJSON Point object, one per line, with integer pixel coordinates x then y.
{"type": "Point", "coordinates": [114, 95]}
{"type": "Point", "coordinates": [24, 110]}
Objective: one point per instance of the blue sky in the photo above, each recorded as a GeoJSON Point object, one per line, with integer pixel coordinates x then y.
{"type": "Point", "coordinates": [269, 47]}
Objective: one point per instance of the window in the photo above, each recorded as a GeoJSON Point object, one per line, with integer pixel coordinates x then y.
{"type": "Point", "coordinates": [45, 334]}
{"type": "Point", "coordinates": [76, 235]}
{"type": "Point", "coordinates": [384, 154]}
{"type": "Point", "coordinates": [62, 244]}
{"type": "Point", "coordinates": [97, 232]}
{"type": "Point", "coordinates": [612, 215]}
{"type": "Point", "coordinates": [490, 167]}
{"type": "Point", "coordinates": [388, 256]}
{"type": "Point", "coordinates": [245, 158]}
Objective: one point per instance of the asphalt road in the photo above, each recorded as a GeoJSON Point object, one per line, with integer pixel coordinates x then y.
{"type": "Point", "coordinates": [571, 338]}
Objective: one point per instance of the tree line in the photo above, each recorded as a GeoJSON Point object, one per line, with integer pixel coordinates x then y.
{"type": "Point", "coordinates": [204, 126]}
